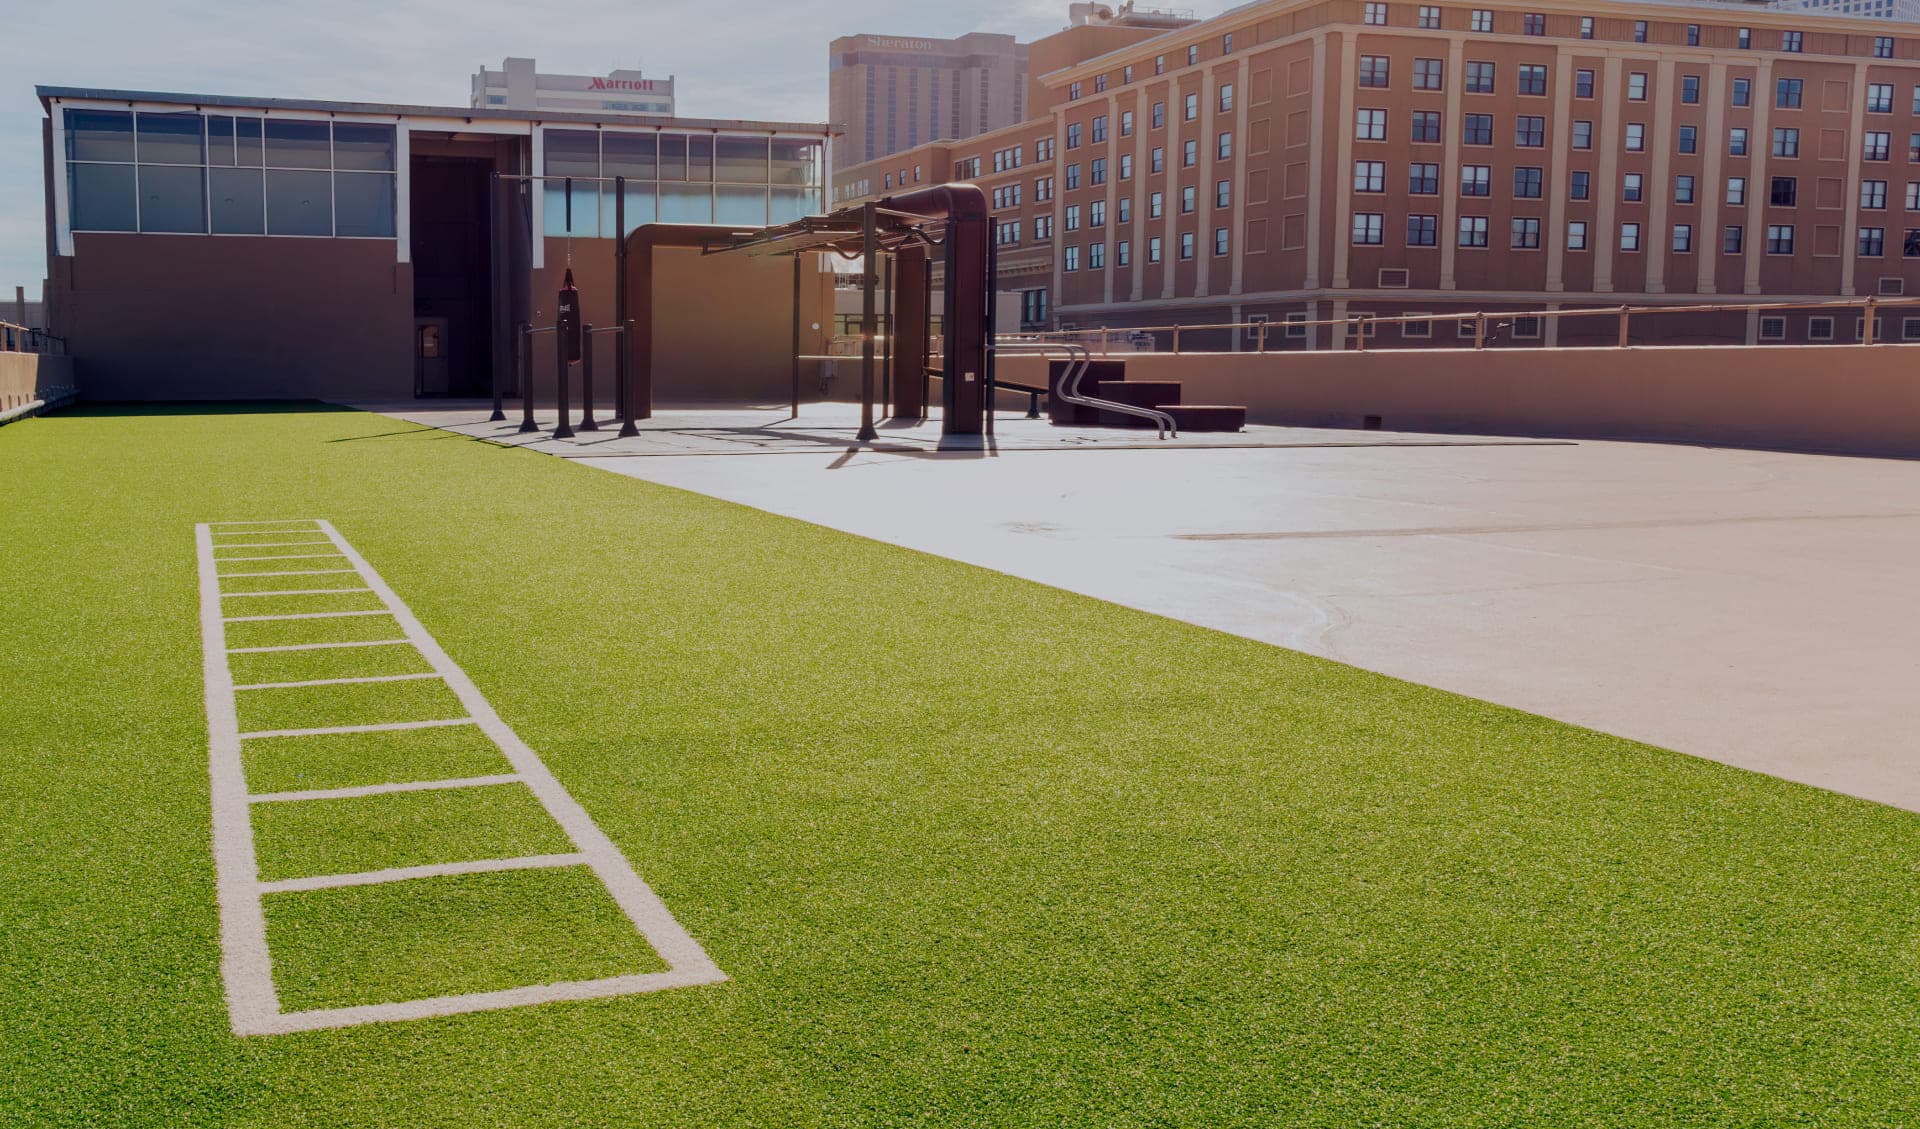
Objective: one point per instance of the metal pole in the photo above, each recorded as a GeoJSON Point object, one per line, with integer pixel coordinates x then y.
{"type": "Point", "coordinates": [626, 381]}
{"type": "Point", "coordinates": [993, 332]}
{"type": "Point", "coordinates": [926, 376]}
{"type": "Point", "coordinates": [586, 380]}
{"type": "Point", "coordinates": [869, 250]}
{"type": "Point", "coordinates": [1479, 331]}
{"type": "Point", "coordinates": [795, 413]}
{"type": "Point", "coordinates": [620, 296]}
{"type": "Point", "coordinates": [561, 430]}
{"type": "Point", "coordinates": [526, 378]}
{"type": "Point", "coordinates": [886, 319]}
{"type": "Point", "coordinates": [493, 296]}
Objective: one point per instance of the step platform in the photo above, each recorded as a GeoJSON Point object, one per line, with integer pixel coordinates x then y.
{"type": "Point", "coordinates": [1207, 417]}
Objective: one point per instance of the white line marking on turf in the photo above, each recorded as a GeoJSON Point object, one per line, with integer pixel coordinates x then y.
{"type": "Point", "coordinates": [272, 521]}
{"type": "Point", "coordinates": [278, 557]}
{"type": "Point", "coordinates": [287, 572]}
{"type": "Point", "coordinates": [383, 789]}
{"type": "Point", "coordinates": [264, 545]}
{"type": "Point", "coordinates": [381, 727]}
{"type": "Point", "coordinates": [304, 615]}
{"type": "Point", "coordinates": [337, 681]}
{"type": "Point", "coordinates": [408, 873]}
{"type": "Point", "coordinates": [293, 592]}
{"type": "Point", "coordinates": [246, 966]}
{"type": "Point", "coordinates": [317, 646]}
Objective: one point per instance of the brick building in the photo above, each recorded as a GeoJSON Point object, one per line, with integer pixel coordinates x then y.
{"type": "Point", "coordinates": [1301, 159]}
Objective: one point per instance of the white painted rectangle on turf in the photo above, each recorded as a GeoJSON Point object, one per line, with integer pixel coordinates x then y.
{"type": "Point", "coordinates": [253, 1003]}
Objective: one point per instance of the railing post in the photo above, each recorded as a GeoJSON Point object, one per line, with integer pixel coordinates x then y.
{"type": "Point", "coordinates": [1359, 324]}
{"type": "Point", "coordinates": [1625, 317]}
{"type": "Point", "coordinates": [1260, 338]}
{"type": "Point", "coordinates": [1104, 349]}
{"type": "Point", "coordinates": [563, 429]}
{"type": "Point", "coordinates": [1480, 330]}
{"type": "Point", "coordinates": [526, 378]}
{"type": "Point", "coordinates": [1866, 323]}
{"type": "Point", "coordinates": [1176, 340]}
{"type": "Point", "coordinates": [587, 422]}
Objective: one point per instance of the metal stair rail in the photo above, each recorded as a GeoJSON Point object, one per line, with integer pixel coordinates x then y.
{"type": "Point", "coordinates": [1079, 358]}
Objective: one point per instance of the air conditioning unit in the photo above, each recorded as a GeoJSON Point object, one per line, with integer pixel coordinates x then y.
{"type": "Point", "coordinates": [1393, 278]}
{"type": "Point", "coordinates": [1892, 287]}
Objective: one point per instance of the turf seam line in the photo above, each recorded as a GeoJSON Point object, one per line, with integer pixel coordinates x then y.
{"type": "Point", "coordinates": [410, 873]}
{"type": "Point", "coordinates": [383, 789]}
{"type": "Point", "coordinates": [337, 681]}
{"type": "Point", "coordinates": [292, 592]}
{"type": "Point", "coordinates": [303, 615]}
{"type": "Point", "coordinates": [246, 963]}
{"type": "Point", "coordinates": [378, 727]}
{"type": "Point", "coordinates": [317, 646]}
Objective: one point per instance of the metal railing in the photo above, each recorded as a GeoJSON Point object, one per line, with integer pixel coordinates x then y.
{"type": "Point", "coordinates": [25, 339]}
{"type": "Point", "coordinates": [1079, 358]}
{"type": "Point", "coordinates": [1357, 328]}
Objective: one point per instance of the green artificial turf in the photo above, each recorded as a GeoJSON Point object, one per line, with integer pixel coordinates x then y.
{"type": "Point", "coordinates": [355, 760]}
{"type": "Point", "coordinates": [360, 703]}
{"type": "Point", "coordinates": [362, 833]}
{"type": "Point", "coordinates": [448, 936]}
{"type": "Point", "coordinates": [972, 851]}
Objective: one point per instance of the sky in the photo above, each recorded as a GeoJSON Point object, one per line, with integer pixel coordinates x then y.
{"type": "Point", "coordinates": [733, 59]}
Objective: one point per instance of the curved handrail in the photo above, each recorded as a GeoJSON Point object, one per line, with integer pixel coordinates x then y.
{"type": "Point", "coordinates": [1079, 360]}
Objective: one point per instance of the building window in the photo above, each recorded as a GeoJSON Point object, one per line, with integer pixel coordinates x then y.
{"type": "Point", "coordinates": [1097, 171]}
{"type": "Point", "coordinates": [1636, 137]}
{"type": "Point", "coordinates": [1883, 46]}
{"type": "Point", "coordinates": [1639, 31]}
{"type": "Point", "coordinates": [1073, 92]}
{"type": "Point", "coordinates": [1126, 166]}
{"type": "Point", "coordinates": [1429, 17]}
{"type": "Point", "coordinates": [1226, 96]}
{"type": "Point", "coordinates": [1479, 78]}
{"type": "Point", "coordinates": [1780, 239]}
{"type": "Point", "coordinates": [1913, 195]}
{"type": "Point", "coordinates": [1368, 176]}
{"type": "Point", "coordinates": [1876, 145]}
{"type": "Point", "coordinates": [1156, 205]}
{"type": "Point", "coordinates": [1629, 237]}
{"type": "Point", "coordinates": [1533, 23]}
{"type": "Point", "coordinates": [1577, 235]}
{"type": "Point", "coordinates": [1736, 190]}
{"type": "Point", "coordinates": [1526, 233]}
{"type": "Point", "coordinates": [1732, 240]}
{"type": "Point", "coordinates": [1186, 245]}
{"type": "Point", "coordinates": [1429, 74]}
{"type": "Point", "coordinates": [1737, 141]}
{"type": "Point", "coordinates": [1096, 256]}
{"type": "Point", "coordinates": [1477, 129]}
{"type": "Point", "coordinates": [1033, 307]}
{"type": "Point", "coordinates": [1683, 189]}
{"type": "Point", "coordinates": [1744, 40]}
{"type": "Point", "coordinates": [1773, 327]}
{"type": "Point", "coordinates": [1226, 44]}
{"type": "Point", "coordinates": [1157, 160]}
{"type": "Point", "coordinates": [1153, 249]}
{"type": "Point", "coordinates": [1423, 179]}
{"type": "Point", "coordinates": [1473, 231]}
{"type": "Point", "coordinates": [1073, 217]}
{"type": "Point", "coordinates": [1689, 139]}
{"type": "Point", "coordinates": [1637, 86]}
{"type": "Point", "coordinates": [1426, 125]}
{"type": "Point", "coordinates": [1530, 131]}
{"type": "Point", "coordinates": [1073, 176]}
{"type": "Point", "coordinates": [1100, 128]}
{"type": "Point", "coordinates": [1071, 258]}
{"type": "Point", "coordinates": [1159, 115]}
{"type": "Point", "coordinates": [1743, 92]}
{"type": "Point", "coordinates": [1790, 41]}
{"type": "Point", "coordinates": [1123, 253]}
{"type": "Point", "coordinates": [1787, 93]}
{"type": "Point", "coordinates": [1043, 227]}
{"type": "Point", "coordinates": [1159, 64]}
{"type": "Point", "coordinates": [1099, 84]}
{"type": "Point", "coordinates": [1126, 74]}
{"type": "Point", "coordinates": [1370, 125]}
{"type": "Point", "coordinates": [1913, 147]}
{"type": "Point", "coordinates": [1683, 238]}
{"type": "Point", "coordinates": [1423, 231]}
{"type": "Point", "coordinates": [1476, 180]}
{"type": "Point", "coordinates": [1910, 248]}
{"type": "Point", "coordinates": [1690, 89]}
{"type": "Point", "coordinates": [1419, 329]}
{"type": "Point", "coordinates": [1073, 135]}
{"type": "Point", "coordinates": [1784, 192]}
{"type": "Point", "coordinates": [1193, 54]}
{"type": "Point", "coordinates": [1126, 209]}
{"type": "Point", "coordinates": [1533, 79]}
{"type": "Point", "coordinates": [1126, 123]}
{"type": "Point", "coordinates": [1223, 147]}
{"type": "Point", "coordinates": [1219, 240]}
{"type": "Point", "coordinates": [1188, 199]}
{"type": "Point", "coordinates": [1786, 142]}
{"type": "Point", "coordinates": [1481, 20]}
{"type": "Point", "coordinates": [1873, 194]}
{"type": "Point", "coordinates": [1693, 35]}
{"type": "Point", "coordinates": [1579, 185]}
{"type": "Point", "coordinates": [1819, 328]}
{"type": "Point", "coordinates": [1223, 193]}
{"type": "Point", "coordinates": [1586, 27]}
{"type": "Point", "coordinates": [1583, 83]}
{"type": "Point", "coordinates": [1879, 98]}
{"type": "Point", "coordinates": [1527, 182]}
{"type": "Point", "coordinates": [1042, 189]}
{"type": "Point", "coordinates": [1583, 135]}
{"type": "Point", "coordinates": [1191, 109]}
{"type": "Point", "coordinates": [1630, 187]}
{"type": "Point", "coordinates": [1873, 241]}
{"type": "Point", "coordinates": [1043, 149]}
{"type": "Point", "coordinates": [1376, 14]}
{"type": "Point", "coordinates": [1189, 154]}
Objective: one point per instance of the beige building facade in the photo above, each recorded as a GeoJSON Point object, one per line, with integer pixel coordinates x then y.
{"type": "Point", "coordinates": [1299, 160]}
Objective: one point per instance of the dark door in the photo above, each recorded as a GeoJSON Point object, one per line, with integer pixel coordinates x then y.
{"type": "Point", "coordinates": [453, 270]}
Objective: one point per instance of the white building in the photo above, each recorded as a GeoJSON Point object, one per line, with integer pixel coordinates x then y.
{"type": "Point", "coordinates": [518, 86]}
{"type": "Point", "coordinates": [1908, 10]}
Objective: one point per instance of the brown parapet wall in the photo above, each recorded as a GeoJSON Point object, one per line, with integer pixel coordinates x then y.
{"type": "Point", "coordinates": [32, 382]}
{"type": "Point", "coordinates": [1856, 400]}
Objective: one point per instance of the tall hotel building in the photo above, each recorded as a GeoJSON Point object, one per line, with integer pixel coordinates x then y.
{"type": "Point", "coordinates": [1308, 159]}
{"type": "Point", "coordinates": [887, 93]}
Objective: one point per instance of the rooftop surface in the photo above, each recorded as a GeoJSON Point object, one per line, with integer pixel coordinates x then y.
{"type": "Point", "coordinates": [1666, 593]}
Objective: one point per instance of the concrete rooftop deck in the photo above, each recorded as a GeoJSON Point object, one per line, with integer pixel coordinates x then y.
{"type": "Point", "coordinates": [1752, 607]}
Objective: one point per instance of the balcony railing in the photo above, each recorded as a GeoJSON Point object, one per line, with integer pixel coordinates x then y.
{"type": "Point", "coordinates": [22, 339]}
